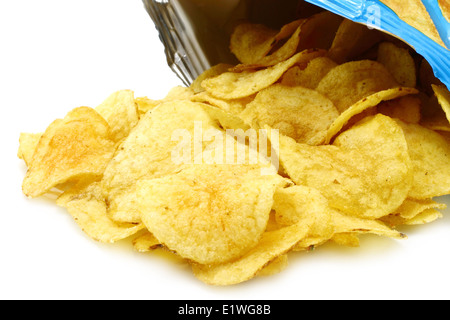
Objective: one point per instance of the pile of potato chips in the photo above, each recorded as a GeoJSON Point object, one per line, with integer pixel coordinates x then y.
{"type": "Point", "coordinates": [363, 147]}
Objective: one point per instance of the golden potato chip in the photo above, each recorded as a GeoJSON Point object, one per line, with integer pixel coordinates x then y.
{"type": "Point", "coordinates": [346, 239]}
{"type": "Point", "coordinates": [146, 242]}
{"type": "Point", "coordinates": [148, 152]}
{"type": "Point", "coordinates": [364, 105]}
{"type": "Point", "coordinates": [445, 8]}
{"type": "Point", "coordinates": [144, 104]}
{"type": "Point", "coordinates": [281, 54]}
{"type": "Point", "coordinates": [230, 85]}
{"type": "Point", "coordinates": [208, 214]}
{"type": "Point", "coordinates": [80, 146]}
{"type": "Point", "coordinates": [272, 245]}
{"type": "Point", "coordinates": [414, 13]}
{"type": "Point", "coordinates": [407, 109]}
{"type": "Point", "coordinates": [433, 115]}
{"type": "Point", "coordinates": [352, 39]}
{"type": "Point", "coordinates": [299, 203]}
{"type": "Point", "coordinates": [275, 266]}
{"type": "Point", "coordinates": [300, 113]}
{"type": "Point", "coordinates": [427, 216]}
{"type": "Point", "coordinates": [214, 71]}
{"type": "Point", "coordinates": [319, 31]}
{"type": "Point", "coordinates": [353, 81]}
{"type": "Point", "coordinates": [235, 106]}
{"type": "Point", "coordinates": [443, 96]}
{"type": "Point", "coordinates": [27, 145]}
{"type": "Point", "coordinates": [251, 42]}
{"type": "Point", "coordinates": [344, 224]}
{"type": "Point", "coordinates": [411, 209]}
{"type": "Point", "coordinates": [366, 173]}
{"type": "Point", "coordinates": [429, 153]}
{"type": "Point", "coordinates": [311, 76]}
{"type": "Point", "coordinates": [399, 62]}
{"type": "Point", "coordinates": [121, 113]}
{"type": "Point", "coordinates": [88, 208]}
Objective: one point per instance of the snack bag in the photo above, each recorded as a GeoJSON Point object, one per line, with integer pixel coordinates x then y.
{"type": "Point", "coordinates": [196, 32]}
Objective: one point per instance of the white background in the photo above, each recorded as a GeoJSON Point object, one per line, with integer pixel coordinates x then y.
{"type": "Point", "coordinates": [56, 55]}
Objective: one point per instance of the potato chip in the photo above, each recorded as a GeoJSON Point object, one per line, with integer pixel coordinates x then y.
{"type": "Point", "coordinates": [445, 7]}
{"type": "Point", "coordinates": [353, 81]}
{"type": "Point", "coordinates": [251, 42]}
{"type": "Point", "coordinates": [433, 115]}
{"type": "Point", "coordinates": [364, 105]}
{"type": "Point", "coordinates": [349, 224]}
{"type": "Point", "coordinates": [146, 242]}
{"type": "Point", "coordinates": [275, 266]}
{"type": "Point", "coordinates": [347, 239]}
{"type": "Point", "coordinates": [272, 245]}
{"type": "Point", "coordinates": [311, 76]}
{"type": "Point", "coordinates": [429, 153]}
{"type": "Point", "coordinates": [319, 31]}
{"type": "Point", "coordinates": [214, 71]}
{"type": "Point", "coordinates": [121, 113]}
{"type": "Point", "coordinates": [80, 146]}
{"type": "Point", "coordinates": [366, 173]}
{"type": "Point", "coordinates": [427, 216]}
{"type": "Point", "coordinates": [399, 62]}
{"type": "Point", "coordinates": [352, 39]}
{"type": "Point", "coordinates": [144, 104]}
{"type": "Point", "coordinates": [208, 214]}
{"type": "Point", "coordinates": [407, 109]}
{"type": "Point", "coordinates": [443, 96]}
{"type": "Point", "coordinates": [281, 54]}
{"type": "Point", "coordinates": [147, 152]}
{"type": "Point", "coordinates": [230, 85]}
{"type": "Point", "coordinates": [415, 14]}
{"type": "Point", "coordinates": [27, 145]}
{"type": "Point", "coordinates": [411, 209]}
{"type": "Point", "coordinates": [300, 203]}
{"type": "Point", "coordinates": [300, 113]}
{"type": "Point", "coordinates": [235, 106]}
{"type": "Point", "coordinates": [88, 208]}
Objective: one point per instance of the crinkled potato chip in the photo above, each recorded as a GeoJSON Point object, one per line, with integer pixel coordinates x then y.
{"type": "Point", "coordinates": [429, 153]}
{"type": "Point", "coordinates": [353, 81]}
{"type": "Point", "coordinates": [235, 85]}
{"type": "Point", "coordinates": [366, 173]}
{"type": "Point", "coordinates": [407, 109]}
{"type": "Point", "coordinates": [411, 209]}
{"type": "Point", "coordinates": [443, 96]}
{"type": "Point", "coordinates": [364, 105]}
{"type": "Point", "coordinates": [214, 71]}
{"type": "Point", "coordinates": [399, 62]}
{"type": "Point", "coordinates": [352, 39]}
{"type": "Point", "coordinates": [78, 147]}
{"type": "Point", "coordinates": [121, 112]}
{"type": "Point", "coordinates": [300, 113]}
{"type": "Point", "coordinates": [88, 208]}
{"type": "Point", "coordinates": [414, 13]}
{"type": "Point", "coordinates": [272, 245]}
{"type": "Point", "coordinates": [310, 76]}
{"type": "Point", "coordinates": [349, 224]}
{"type": "Point", "coordinates": [275, 266]}
{"type": "Point", "coordinates": [146, 242]}
{"type": "Point", "coordinates": [208, 214]}
{"type": "Point", "coordinates": [251, 42]}
{"type": "Point", "coordinates": [285, 52]}
{"type": "Point", "coordinates": [147, 152]}
{"type": "Point", "coordinates": [27, 145]}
